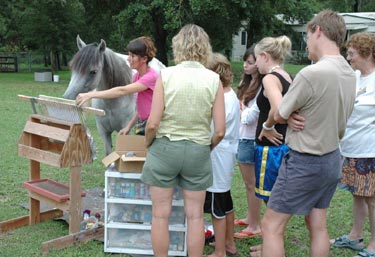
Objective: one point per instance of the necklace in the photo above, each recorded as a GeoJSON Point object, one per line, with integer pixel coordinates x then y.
{"type": "Point", "coordinates": [274, 68]}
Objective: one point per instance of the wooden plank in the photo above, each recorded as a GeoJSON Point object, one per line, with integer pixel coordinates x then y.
{"type": "Point", "coordinates": [77, 149]}
{"type": "Point", "coordinates": [50, 121]}
{"type": "Point", "coordinates": [59, 205]}
{"type": "Point", "coordinates": [91, 110]}
{"type": "Point", "coordinates": [75, 208]}
{"type": "Point", "coordinates": [34, 170]}
{"type": "Point", "coordinates": [24, 220]}
{"type": "Point", "coordinates": [51, 145]}
{"type": "Point", "coordinates": [35, 154]}
{"type": "Point", "coordinates": [72, 239]}
{"type": "Point", "coordinates": [34, 213]}
{"type": "Point", "coordinates": [54, 101]}
{"type": "Point", "coordinates": [46, 131]}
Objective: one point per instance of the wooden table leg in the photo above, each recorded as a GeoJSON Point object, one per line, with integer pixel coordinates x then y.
{"type": "Point", "coordinates": [34, 214]}
{"type": "Point", "coordinates": [75, 209]}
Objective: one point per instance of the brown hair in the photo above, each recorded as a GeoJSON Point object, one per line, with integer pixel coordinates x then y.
{"type": "Point", "coordinates": [331, 23]}
{"type": "Point", "coordinates": [364, 43]}
{"type": "Point", "coordinates": [220, 64]}
{"type": "Point", "coordinates": [249, 85]}
{"type": "Point", "coordinates": [142, 46]}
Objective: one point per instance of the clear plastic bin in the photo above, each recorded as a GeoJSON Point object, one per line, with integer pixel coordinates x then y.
{"type": "Point", "coordinates": [133, 189]}
{"type": "Point", "coordinates": [141, 239]}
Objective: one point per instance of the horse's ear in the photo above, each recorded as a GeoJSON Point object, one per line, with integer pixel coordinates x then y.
{"type": "Point", "coordinates": [102, 45]}
{"type": "Point", "coordinates": [80, 43]}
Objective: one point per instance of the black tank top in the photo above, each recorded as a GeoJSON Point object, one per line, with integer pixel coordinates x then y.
{"type": "Point", "coordinates": [264, 108]}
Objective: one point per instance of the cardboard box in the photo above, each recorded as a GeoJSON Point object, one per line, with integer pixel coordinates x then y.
{"type": "Point", "coordinates": [129, 155]}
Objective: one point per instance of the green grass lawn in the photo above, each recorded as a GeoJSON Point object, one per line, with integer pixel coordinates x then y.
{"type": "Point", "coordinates": [26, 241]}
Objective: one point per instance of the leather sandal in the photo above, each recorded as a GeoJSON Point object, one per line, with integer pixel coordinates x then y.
{"type": "Point", "coordinates": [366, 253]}
{"type": "Point", "coordinates": [344, 241]}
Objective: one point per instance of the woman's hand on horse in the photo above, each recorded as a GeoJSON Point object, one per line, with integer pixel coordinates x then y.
{"type": "Point", "coordinates": [82, 98]}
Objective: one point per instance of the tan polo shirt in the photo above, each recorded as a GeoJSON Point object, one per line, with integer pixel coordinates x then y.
{"type": "Point", "coordinates": [324, 94]}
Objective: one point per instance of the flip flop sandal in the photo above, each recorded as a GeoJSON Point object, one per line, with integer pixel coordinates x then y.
{"type": "Point", "coordinates": [366, 253]}
{"type": "Point", "coordinates": [239, 222]}
{"type": "Point", "coordinates": [344, 241]}
{"type": "Point", "coordinates": [243, 234]}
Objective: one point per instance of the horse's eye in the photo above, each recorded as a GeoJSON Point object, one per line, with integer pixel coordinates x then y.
{"type": "Point", "coordinates": [93, 72]}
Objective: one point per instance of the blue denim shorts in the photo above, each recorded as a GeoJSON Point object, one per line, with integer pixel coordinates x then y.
{"type": "Point", "coordinates": [246, 151]}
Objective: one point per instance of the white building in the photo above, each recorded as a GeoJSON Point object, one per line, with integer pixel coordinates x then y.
{"type": "Point", "coordinates": [239, 45]}
{"type": "Point", "coordinates": [361, 21]}
{"type": "Point", "coordinates": [355, 22]}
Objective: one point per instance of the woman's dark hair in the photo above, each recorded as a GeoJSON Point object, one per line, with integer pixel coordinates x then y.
{"type": "Point", "coordinates": [249, 85]}
{"type": "Point", "coordinates": [142, 46]}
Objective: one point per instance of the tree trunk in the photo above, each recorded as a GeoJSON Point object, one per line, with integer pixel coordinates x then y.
{"type": "Point", "coordinates": [57, 56]}
{"type": "Point", "coordinates": [227, 54]}
{"type": "Point", "coordinates": [160, 38]}
{"type": "Point", "coordinates": [53, 62]}
{"type": "Point", "coordinates": [46, 60]}
{"type": "Point", "coordinates": [64, 60]}
{"type": "Point", "coordinates": [357, 7]}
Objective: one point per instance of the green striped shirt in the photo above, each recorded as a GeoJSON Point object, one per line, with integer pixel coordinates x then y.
{"type": "Point", "coordinates": [189, 93]}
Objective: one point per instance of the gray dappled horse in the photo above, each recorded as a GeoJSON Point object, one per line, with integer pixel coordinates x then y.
{"type": "Point", "coordinates": [95, 66]}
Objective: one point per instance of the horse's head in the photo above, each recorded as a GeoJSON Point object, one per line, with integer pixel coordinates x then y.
{"type": "Point", "coordinates": [95, 66]}
{"type": "Point", "coordinates": [86, 67]}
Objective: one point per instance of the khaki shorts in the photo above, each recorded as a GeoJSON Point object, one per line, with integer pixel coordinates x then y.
{"type": "Point", "coordinates": [183, 163]}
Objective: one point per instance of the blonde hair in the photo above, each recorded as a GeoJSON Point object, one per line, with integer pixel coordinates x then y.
{"type": "Point", "coordinates": [364, 43]}
{"type": "Point", "coordinates": [191, 44]}
{"type": "Point", "coordinates": [331, 23]}
{"type": "Point", "coordinates": [277, 47]}
{"type": "Point", "coordinates": [220, 64]}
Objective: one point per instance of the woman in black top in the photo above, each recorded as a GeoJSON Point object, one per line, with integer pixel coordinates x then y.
{"type": "Point", "coordinates": [270, 148]}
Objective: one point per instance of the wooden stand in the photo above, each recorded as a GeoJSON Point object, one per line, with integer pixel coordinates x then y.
{"type": "Point", "coordinates": [58, 143]}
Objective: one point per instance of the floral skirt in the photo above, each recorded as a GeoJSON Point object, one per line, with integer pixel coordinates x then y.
{"type": "Point", "coordinates": [358, 176]}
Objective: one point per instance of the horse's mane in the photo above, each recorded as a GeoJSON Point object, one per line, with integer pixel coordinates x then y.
{"type": "Point", "coordinates": [115, 70]}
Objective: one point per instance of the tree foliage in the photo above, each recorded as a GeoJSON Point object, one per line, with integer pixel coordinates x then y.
{"type": "Point", "coordinates": [99, 21]}
{"type": "Point", "coordinates": [52, 25]}
{"type": "Point", "coordinates": [349, 5]}
{"type": "Point", "coordinates": [161, 19]}
{"type": "Point", "coordinates": [270, 17]}
{"type": "Point", "coordinates": [10, 24]}
{"type": "Point", "coordinates": [49, 26]}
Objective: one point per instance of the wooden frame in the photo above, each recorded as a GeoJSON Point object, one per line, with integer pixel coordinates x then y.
{"type": "Point", "coordinates": [59, 143]}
